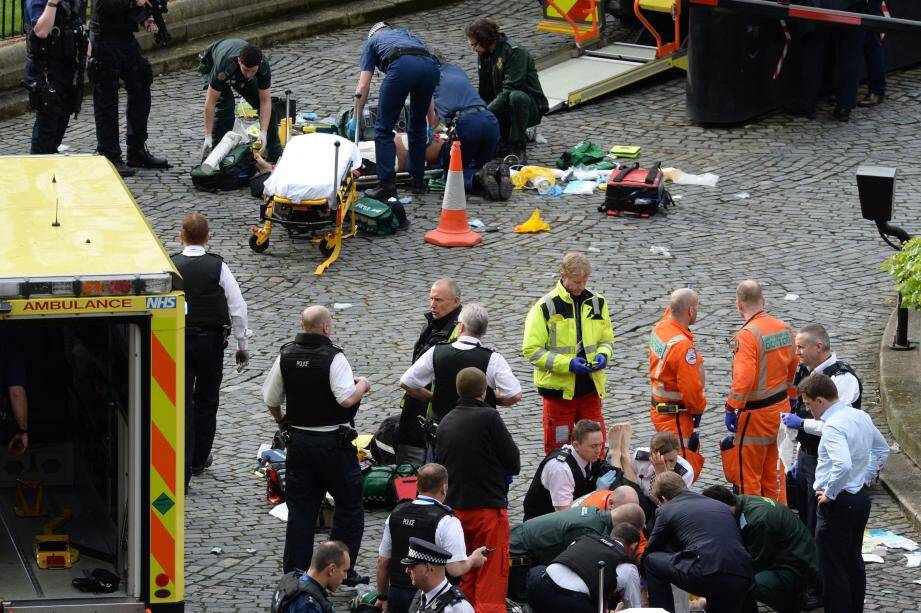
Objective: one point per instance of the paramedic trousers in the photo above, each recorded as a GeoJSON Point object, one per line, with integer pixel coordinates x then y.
{"type": "Point", "coordinates": [119, 58]}
{"type": "Point", "coordinates": [50, 125]}
{"type": "Point", "coordinates": [478, 133]}
{"type": "Point", "coordinates": [725, 593]}
{"type": "Point", "coordinates": [781, 588]}
{"type": "Point", "coordinates": [316, 465]}
{"type": "Point", "coordinates": [225, 115]}
{"type": "Point", "coordinates": [561, 415]}
{"type": "Point", "coordinates": [682, 424]}
{"type": "Point", "coordinates": [415, 76]}
{"type": "Point", "coordinates": [485, 587]}
{"type": "Point", "coordinates": [756, 446]}
{"type": "Point", "coordinates": [839, 538]}
{"type": "Point", "coordinates": [204, 370]}
{"type": "Point", "coordinates": [516, 114]}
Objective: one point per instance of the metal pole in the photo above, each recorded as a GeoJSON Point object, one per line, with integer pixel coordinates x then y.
{"type": "Point", "coordinates": [288, 128]}
{"type": "Point", "coordinates": [601, 566]}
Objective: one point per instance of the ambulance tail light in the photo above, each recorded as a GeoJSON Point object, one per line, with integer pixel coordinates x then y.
{"type": "Point", "coordinates": [116, 285]}
{"type": "Point", "coordinates": [155, 284]}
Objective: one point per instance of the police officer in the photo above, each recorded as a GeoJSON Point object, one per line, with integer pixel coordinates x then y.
{"type": "Point", "coordinates": [508, 83]}
{"type": "Point", "coordinates": [410, 71]}
{"type": "Point", "coordinates": [567, 473]}
{"type": "Point", "coordinates": [659, 458]}
{"type": "Point", "coordinates": [215, 305]}
{"type": "Point", "coordinates": [56, 52]}
{"type": "Point", "coordinates": [428, 518]}
{"type": "Point", "coordinates": [425, 563]}
{"type": "Point", "coordinates": [308, 592]}
{"type": "Point", "coordinates": [117, 55]}
{"type": "Point", "coordinates": [457, 105]}
{"type": "Point", "coordinates": [314, 379]}
{"type": "Point", "coordinates": [232, 65]}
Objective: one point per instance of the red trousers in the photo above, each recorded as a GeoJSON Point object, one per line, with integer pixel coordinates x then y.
{"type": "Point", "coordinates": [486, 586]}
{"type": "Point", "coordinates": [561, 415]}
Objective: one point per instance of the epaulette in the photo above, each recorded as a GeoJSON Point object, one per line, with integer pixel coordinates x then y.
{"type": "Point", "coordinates": [680, 470]}
{"type": "Point", "coordinates": [641, 456]}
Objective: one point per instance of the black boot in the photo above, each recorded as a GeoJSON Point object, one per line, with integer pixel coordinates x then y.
{"type": "Point", "coordinates": [489, 179]}
{"type": "Point", "coordinates": [355, 578]}
{"type": "Point", "coordinates": [120, 167]}
{"type": "Point", "coordinates": [140, 157]}
{"type": "Point", "coordinates": [418, 186]}
{"type": "Point", "coordinates": [520, 151]}
{"type": "Point", "coordinates": [504, 178]}
{"type": "Point", "coordinates": [383, 192]}
{"type": "Point", "coordinates": [399, 211]}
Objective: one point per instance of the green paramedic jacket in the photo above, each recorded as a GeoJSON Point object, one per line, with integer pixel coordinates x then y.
{"type": "Point", "coordinates": [508, 68]}
{"type": "Point", "coordinates": [550, 339]}
{"type": "Point", "coordinates": [774, 536]}
{"type": "Point", "coordinates": [545, 537]}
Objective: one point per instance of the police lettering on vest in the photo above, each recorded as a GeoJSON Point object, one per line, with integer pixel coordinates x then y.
{"type": "Point", "coordinates": [305, 367]}
{"type": "Point", "coordinates": [447, 361]}
{"type": "Point", "coordinates": [537, 501]}
{"type": "Point", "coordinates": [582, 558]}
{"type": "Point", "coordinates": [411, 520]}
{"type": "Point", "coordinates": [207, 303]}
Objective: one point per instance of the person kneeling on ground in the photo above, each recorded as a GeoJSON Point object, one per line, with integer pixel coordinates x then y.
{"type": "Point", "coordinates": [300, 592]}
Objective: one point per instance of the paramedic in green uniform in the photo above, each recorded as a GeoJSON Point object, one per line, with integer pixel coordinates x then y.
{"type": "Point", "coordinates": [508, 84]}
{"type": "Point", "coordinates": [232, 65]}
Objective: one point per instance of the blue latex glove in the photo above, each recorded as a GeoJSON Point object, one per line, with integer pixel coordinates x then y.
{"type": "Point", "coordinates": [732, 420]}
{"type": "Point", "coordinates": [795, 470]}
{"type": "Point", "coordinates": [600, 362]}
{"type": "Point", "coordinates": [793, 403]}
{"type": "Point", "coordinates": [697, 419]}
{"type": "Point", "coordinates": [350, 128]}
{"type": "Point", "coordinates": [579, 366]}
{"type": "Point", "coordinates": [429, 135]}
{"type": "Point", "coordinates": [693, 442]}
{"type": "Point", "coordinates": [792, 421]}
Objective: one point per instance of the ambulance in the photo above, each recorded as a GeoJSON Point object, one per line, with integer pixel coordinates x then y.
{"type": "Point", "coordinates": [92, 326]}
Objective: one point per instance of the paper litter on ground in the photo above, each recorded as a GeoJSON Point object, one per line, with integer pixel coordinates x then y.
{"type": "Point", "coordinates": [891, 540]}
{"type": "Point", "coordinates": [791, 297]}
{"type": "Point", "coordinates": [341, 306]}
{"type": "Point", "coordinates": [872, 557]}
{"type": "Point", "coordinates": [679, 177]}
{"type": "Point", "coordinates": [742, 195]}
{"type": "Point", "coordinates": [280, 511]}
{"type": "Point", "coordinates": [660, 250]}
{"type": "Point", "coordinates": [913, 560]}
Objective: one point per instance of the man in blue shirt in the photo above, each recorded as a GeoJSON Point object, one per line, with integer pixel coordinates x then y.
{"type": "Point", "coordinates": [457, 104]}
{"type": "Point", "coordinates": [55, 48]}
{"type": "Point", "coordinates": [410, 70]}
{"type": "Point", "coordinates": [851, 453]}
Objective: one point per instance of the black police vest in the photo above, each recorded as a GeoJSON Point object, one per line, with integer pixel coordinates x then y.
{"type": "Point", "coordinates": [108, 20]}
{"type": "Point", "coordinates": [582, 558]}
{"type": "Point", "coordinates": [447, 361]}
{"type": "Point", "coordinates": [290, 589]}
{"type": "Point", "coordinates": [810, 442]}
{"type": "Point", "coordinates": [305, 371]}
{"type": "Point", "coordinates": [207, 304]}
{"type": "Point", "coordinates": [59, 48]}
{"type": "Point", "coordinates": [450, 596]}
{"type": "Point", "coordinates": [537, 501]}
{"type": "Point", "coordinates": [408, 520]}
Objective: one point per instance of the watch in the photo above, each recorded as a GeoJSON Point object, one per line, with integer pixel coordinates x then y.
{"type": "Point", "coordinates": [54, 4]}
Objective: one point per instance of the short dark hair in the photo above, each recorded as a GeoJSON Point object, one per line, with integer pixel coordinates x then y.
{"type": "Point", "coordinates": [250, 56]}
{"type": "Point", "coordinates": [328, 552]}
{"type": "Point", "coordinates": [818, 334]}
{"type": "Point", "coordinates": [663, 442]}
{"type": "Point", "coordinates": [718, 492]}
{"type": "Point", "coordinates": [195, 228]}
{"type": "Point", "coordinates": [583, 428]}
{"type": "Point", "coordinates": [431, 477]}
{"type": "Point", "coordinates": [484, 31]}
{"type": "Point", "coordinates": [818, 385]}
{"type": "Point", "coordinates": [626, 533]}
{"type": "Point", "coordinates": [668, 485]}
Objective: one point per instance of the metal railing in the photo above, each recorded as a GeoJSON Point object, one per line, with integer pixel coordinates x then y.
{"type": "Point", "coordinates": [12, 17]}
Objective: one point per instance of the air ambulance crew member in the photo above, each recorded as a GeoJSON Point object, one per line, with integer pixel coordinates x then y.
{"type": "Point", "coordinates": [314, 379]}
{"type": "Point", "coordinates": [410, 70]}
{"type": "Point", "coordinates": [677, 376]}
{"type": "Point", "coordinates": [481, 457]}
{"type": "Point", "coordinates": [763, 367]}
{"type": "Point", "coordinates": [569, 339]}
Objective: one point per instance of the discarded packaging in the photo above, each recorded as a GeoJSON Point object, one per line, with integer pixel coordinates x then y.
{"type": "Point", "coordinates": [580, 187]}
{"type": "Point", "coordinates": [742, 195]}
{"type": "Point", "coordinates": [341, 306]}
{"type": "Point", "coordinates": [791, 297]}
{"type": "Point", "coordinates": [869, 557]}
{"type": "Point", "coordinates": [280, 511]}
{"type": "Point", "coordinates": [533, 224]}
{"type": "Point", "coordinates": [526, 176]}
{"type": "Point", "coordinates": [913, 560]}
{"type": "Point", "coordinates": [217, 550]}
{"type": "Point", "coordinates": [680, 177]}
{"type": "Point", "coordinates": [477, 224]}
{"type": "Point", "coordinates": [660, 250]}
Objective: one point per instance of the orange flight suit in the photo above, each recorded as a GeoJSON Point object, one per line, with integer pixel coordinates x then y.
{"type": "Point", "coordinates": [764, 363]}
{"type": "Point", "coordinates": [677, 376]}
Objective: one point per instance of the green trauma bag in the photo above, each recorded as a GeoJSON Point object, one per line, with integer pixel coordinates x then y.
{"type": "Point", "coordinates": [375, 217]}
{"type": "Point", "coordinates": [377, 490]}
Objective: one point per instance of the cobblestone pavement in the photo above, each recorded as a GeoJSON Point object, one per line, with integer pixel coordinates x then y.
{"type": "Point", "coordinates": [785, 212]}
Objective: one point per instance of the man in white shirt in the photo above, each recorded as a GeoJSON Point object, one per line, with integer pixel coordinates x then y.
{"type": "Point", "coordinates": [660, 457]}
{"type": "Point", "coordinates": [441, 363]}
{"type": "Point", "coordinates": [427, 518]}
{"type": "Point", "coordinates": [314, 380]}
{"type": "Point", "coordinates": [425, 563]}
{"type": "Point", "coordinates": [214, 307]}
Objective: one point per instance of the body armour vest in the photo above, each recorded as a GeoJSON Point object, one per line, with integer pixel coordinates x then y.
{"type": "Point", "coordinates": [59, 48]}
{"type": "Point", "coordinates": [408, 520]}
{"type": "Point", "coordinates": [810, 442]}
{"type": "Point", "coordinates": [305, 371]}
{"type": "Point", "coordinates": [201, 277]}
{"type": "Point", "coordinates": [450, 596]}
{"type": "Point", "coordinates": [537, 501]}
{"type": "Point", "coordinates": [582, 558]}
{"type": "Point", "coordinates": [447, 361]}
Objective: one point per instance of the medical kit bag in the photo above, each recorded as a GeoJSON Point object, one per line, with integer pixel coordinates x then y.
{"type": "Point", "coordinates": [637, 191]}
{"type": "Point", "coordinates": [236, 170]}
{"type": "Point", "coordinates": [375, 217]}
{"type": "Point", "coordinates": [378, 490]}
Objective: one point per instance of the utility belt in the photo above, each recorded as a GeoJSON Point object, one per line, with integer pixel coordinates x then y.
{"type": "Point", "coordinates": [399, 52]}
{"type": "Point", "coordinates": [519, 561]}
{"type": "Point", "coordinates": [470, 109]}
{"type": "Point", "coordinates": [562, 590]}
{"type": "Point", "coordinates": [206, 330]}
{"type": "Point", "coordinates": [765, 402]}
{"type": "Point", "coordinates": [667, 408]}
{"type": "Point", "coordinates": [343, 435]}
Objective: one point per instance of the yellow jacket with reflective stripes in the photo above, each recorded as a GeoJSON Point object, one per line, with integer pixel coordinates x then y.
{"type": "Point", "coordinates": [550, 339]}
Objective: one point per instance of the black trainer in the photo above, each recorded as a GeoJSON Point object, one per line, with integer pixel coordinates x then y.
{"type": "Point", "coordinates": [142, 158]}
{"type": "Point", "coordinates": [123, 170]}
{"type": "Point", "coordinates": [520, 151]}
{"type": "Point", "coordinates": [355, 578]}
{"type": "Point", "coordinates": [383, 192]}
{"type": "Point", "coordinates": [418, 186]}
{"type": "Point", "coordinates": [841, 114]}
{"type": "Point", "coordinates": [504, 178]}
{"type": "Point", "coordinates": [488, 179]}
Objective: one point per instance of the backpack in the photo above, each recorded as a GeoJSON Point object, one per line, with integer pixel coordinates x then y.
{"type": "Point", "coordinates": [236, 170]}
{"type": "Point", "coordinates": [375, 217]}
{"type": "Point", "coordinates": [383, 445]}
{"type": "Point", "coordinates": [366, 125]}
{"type": "Point", "coordinates": [637, 191]}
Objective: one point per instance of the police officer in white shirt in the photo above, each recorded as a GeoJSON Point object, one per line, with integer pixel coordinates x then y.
{"type": "Point", "coordinates": [315, 381]}
{"type": "Point", "coordinates": [442, 362]}
{"type": "Point", "coordinates": [425, 563]}
{"type": "Point", "coordinates": [661, 456]}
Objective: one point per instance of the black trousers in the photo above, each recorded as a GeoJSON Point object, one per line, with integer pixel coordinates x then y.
{"type": "Point", "coordinates": [544, 596]}
{"type": "Point", "coordinates": [204, 370]}
{"type": "Point", "coordinates": [317, 465]}
{"type": "Point", "coordinates": [839, 538]}
{"type": "Point", "coordinates": [50, 125]}
{"type": "Point", "coordinates": [120, 58]}
{"type": "Point", "coordinates": [806, 501]}
{"type": "Point", "coordinates": [725, 593]}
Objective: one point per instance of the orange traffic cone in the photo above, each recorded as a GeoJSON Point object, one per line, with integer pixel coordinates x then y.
{"type": "Point", "coordinates": [452, 230]}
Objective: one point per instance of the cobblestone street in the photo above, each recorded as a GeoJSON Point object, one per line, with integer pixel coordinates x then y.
{"type": "Point", "coordinates": [785, 212]}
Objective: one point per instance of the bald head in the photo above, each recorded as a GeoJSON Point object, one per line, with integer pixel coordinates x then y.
{"type": "Point", "coordinates": [749, 296]}
{"type": "Point", "coordinates": [631, 514]}
{"type": "Point", "coordinates": [683, 306]}
{"type": "Point", "coordinates": [316, 320]}
{"type": "Point", "coordinates": [621, 496]}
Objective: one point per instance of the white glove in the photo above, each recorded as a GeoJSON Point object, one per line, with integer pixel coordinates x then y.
{"type": "Point", "coordinates": [263, 139]}
{"type": "Point", "coordinates": [207, 146]}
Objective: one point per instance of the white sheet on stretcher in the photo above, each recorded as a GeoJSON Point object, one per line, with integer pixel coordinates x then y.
{"type": "Point", "coordinates": [305, 169]}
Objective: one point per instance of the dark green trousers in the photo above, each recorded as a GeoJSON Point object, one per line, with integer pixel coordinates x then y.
{"type": "Point", "coordinates": [225, 114]}
{"type": "Point", "coordinates": [516, 114]}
